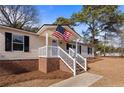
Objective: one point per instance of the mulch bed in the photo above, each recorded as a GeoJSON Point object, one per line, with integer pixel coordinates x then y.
{"type": "Point", "coordinates": [16, 78]}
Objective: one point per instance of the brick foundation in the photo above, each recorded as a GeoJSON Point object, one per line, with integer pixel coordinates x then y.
{"type": "Point", "coordinates": [47, 65]}
{"type": "Point", "coordinates": [64, 67]}
{"type": "Point", "coordinates": [18, 66]}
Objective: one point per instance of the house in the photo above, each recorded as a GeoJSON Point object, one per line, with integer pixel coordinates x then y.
{"type": "Point", "coordinates": [42, 50]}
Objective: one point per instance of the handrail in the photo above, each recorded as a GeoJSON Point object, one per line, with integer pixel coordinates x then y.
{"type": "Point", "coordinates": [66, 53]}
{"type": "Point", "coordinates": [66, 64]}
{"type": "Point", "coordinates": [56, 51]}
{"type": "Point", "coordinates": [69, 59]}
{"type": "Point", "coordinates": [63, 59]}
{"type": "Point", "coordinates": [79, 61]}
{"type": "Point", "coordinates": [71, 52]}
{"type": "Point", "coordinates": [81, 56]}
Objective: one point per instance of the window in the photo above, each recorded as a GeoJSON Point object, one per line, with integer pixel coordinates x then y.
{"type": "Point", "coordinates": [18, 43]}
{"type": "Point", "coordinates": [70, 46]}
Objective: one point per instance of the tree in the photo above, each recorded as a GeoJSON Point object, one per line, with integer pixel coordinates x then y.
{"type": "Point", "coordinates": [121, 36]}
{"type": "Point", "coordinates": [18, 16]}
{"type": "Point", "coordinates": [98, 19]}
{"type": "Point", "coordinates": [63, 21]}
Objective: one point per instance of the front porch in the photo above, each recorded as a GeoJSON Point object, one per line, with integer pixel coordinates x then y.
{"type": "Point", "coordinates": [55, 58]}
{"type": "Point", "coordinates": [56, 54]}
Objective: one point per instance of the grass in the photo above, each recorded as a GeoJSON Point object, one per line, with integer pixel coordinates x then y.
{"type": "Point", "coordinates": [112, 70]}
{"type": "Point", "coordinates": [55, 76]}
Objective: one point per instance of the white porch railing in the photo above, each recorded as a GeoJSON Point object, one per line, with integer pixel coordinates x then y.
{"type": "Point", "coordinates": [56, 51]}
{"type": "Point", "coordinates": [71, 52]}
{"type": "Point", "coordinates": [68, 59]}
{"type": "Point", "coordinates": [79, 59]}
{"type": "Point", "coordinates": [48, 51]}
{"type": "Point", "coordinates": [52, 51]}
{"type": "Point", "coordinates": [42, 51]}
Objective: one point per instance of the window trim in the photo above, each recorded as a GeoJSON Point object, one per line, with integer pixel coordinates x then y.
{"type": "Point", "coordinates": [17, 43]}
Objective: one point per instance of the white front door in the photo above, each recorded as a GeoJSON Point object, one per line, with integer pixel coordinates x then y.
{"type": "Point", "coordinates": [54, 43]}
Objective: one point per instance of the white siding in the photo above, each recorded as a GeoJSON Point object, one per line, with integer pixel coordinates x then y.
{"type": "Point", "coordinates": [84, 51]}
{"type": "Point", "coordinates": [35, 43]}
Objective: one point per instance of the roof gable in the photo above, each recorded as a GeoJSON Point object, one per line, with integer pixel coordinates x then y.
{"type": "Point", "coordinates": [67, 27]}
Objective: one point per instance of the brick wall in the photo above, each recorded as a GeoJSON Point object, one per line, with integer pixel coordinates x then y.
{"type": "Point", "coordinates": [64, 67]}
{"type": "Point", "coordinates": [18, 66]}
{"type": "Point", "coordinates": [47, 65]}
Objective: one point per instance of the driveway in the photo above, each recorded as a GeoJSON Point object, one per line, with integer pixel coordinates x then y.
{"type": "Point", "coordinates": [112, 70]}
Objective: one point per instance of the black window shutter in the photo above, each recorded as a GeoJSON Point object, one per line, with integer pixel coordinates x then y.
{"type": "Point", "coordinates": [26, 43]}
{"type": "Point", "coordinates": [80, 49]}
{"type": "Point", "coordinates": [67, 46]}
{"type": "Point", "coordinates": [8, 41]}
{"type": "Point", "coordinates": [91, 50]}
{"type": "Point", "coordinates": [88, 50]}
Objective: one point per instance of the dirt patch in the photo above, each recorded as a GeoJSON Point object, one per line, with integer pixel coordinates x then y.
{"type": "Point", "coordinates": [111, 69]}
{"type": "Point", "coordinates": [36, 83]}
{"type": "Point", "coordinates": [47, 78]}
{"type": "Point", "coordinates": [92, 60]}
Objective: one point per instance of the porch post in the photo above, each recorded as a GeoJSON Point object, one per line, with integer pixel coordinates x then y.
{"type": "Point", "coordinates": [75, 57]}
{"type": "Point", "coordinates": [76, 48]}
{"type": "Point", "coordinates": [46, 44]}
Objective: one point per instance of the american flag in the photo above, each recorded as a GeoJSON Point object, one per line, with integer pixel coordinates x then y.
{"type": "Point", "coordinates": [62, 33]}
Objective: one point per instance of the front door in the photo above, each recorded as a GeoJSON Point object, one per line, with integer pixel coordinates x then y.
{"type": "Point", "coordinates": [73, 46]}
{"type": "Point", "coordinates": [54, 49]}
{"type": "Point", "coordinates": [54, 43]}
{"type": "Point", "coordinates": [69, 45]}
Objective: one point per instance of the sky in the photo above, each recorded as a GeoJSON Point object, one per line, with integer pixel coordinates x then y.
{"type": "Point", "coordinates": [49, 13]}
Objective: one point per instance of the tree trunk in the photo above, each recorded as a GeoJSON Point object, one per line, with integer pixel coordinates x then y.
{"type": "Point", "coordinates": [105, 45]}
{"type": "Point", "coordinates": [93, 42]}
